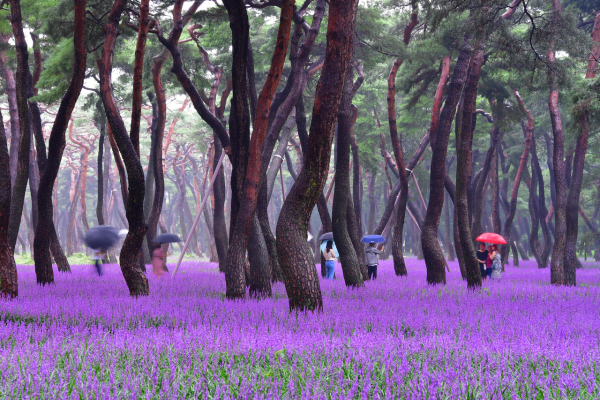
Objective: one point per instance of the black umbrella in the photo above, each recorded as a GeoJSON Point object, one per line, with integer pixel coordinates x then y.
{"type": "Point", "coordinates": [326, 236]}
{"type": "Point", "coordinates": [101, 237]}
{"type": "Point", "coordinates": [167, 238]}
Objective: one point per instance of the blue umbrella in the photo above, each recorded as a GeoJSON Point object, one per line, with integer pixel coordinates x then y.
{"type": "Point", "coordinates": [373, 239]}
{"type": "Point", "coordinates": [324, 244]}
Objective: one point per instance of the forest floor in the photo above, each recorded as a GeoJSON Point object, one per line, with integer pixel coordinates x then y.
{"type": "Point", "coordinates": [516, 338]}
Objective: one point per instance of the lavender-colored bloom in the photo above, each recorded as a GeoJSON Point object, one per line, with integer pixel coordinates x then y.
{"type": "Point", "coordinates": [396, 338]}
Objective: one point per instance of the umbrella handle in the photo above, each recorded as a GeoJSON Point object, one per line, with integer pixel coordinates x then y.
{"type": "Point", "coordinates": [187, 241]}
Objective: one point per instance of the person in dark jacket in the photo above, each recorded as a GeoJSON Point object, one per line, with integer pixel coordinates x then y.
{"type": "Point", "coordinates": [482, 255]}
{"type": "Point", "coordinates": [372, 255]}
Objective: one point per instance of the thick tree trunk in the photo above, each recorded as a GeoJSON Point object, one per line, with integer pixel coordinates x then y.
{"type": "Point", "coordinates": [301, 279]}
{"type": "Point", "coordinates": [248, 197]}
{"type": "Point", "coordinates": [45, 235]}
{"type": "Point", "coordinates": [464, 170]}
{"type": "Point", "coordinates": [100, 205]}
{"type": "Point", "coordinates": [434, 257]}
{"type": "Point", "coordinates": [557, 266]}
{"type": "Point", "coordinates": [260, 268]}
{"type": "Point", "coordinates": [371, 194]}
{"type": "Point", "coordinates": [8, 270]}
{"type": "Point", "coordinates": [341, 236]}
{"type": "Point", "coordinates": [495, 195]}
{"type": "Point", "coordinates": [219, 225]}
{"type": "Point", "coordinates": [129, 257]}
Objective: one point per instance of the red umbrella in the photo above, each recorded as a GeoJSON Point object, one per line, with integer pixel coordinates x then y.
{"type": "Point", "coordinates": [490, 237]}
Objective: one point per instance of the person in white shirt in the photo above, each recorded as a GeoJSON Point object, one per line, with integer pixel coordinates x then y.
{"type": "Point", "coordinates": [372, 256]}
{"type": "Point", "coordinates": [329, 255]}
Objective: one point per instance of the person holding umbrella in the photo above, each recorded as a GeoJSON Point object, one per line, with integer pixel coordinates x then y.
{"type": "Point", "coordinates": [329, 255]}
{"type": "Point", "coordinates": [99, 239]}
{"type": "Point", "coordinates": [372, 254]}
{"type": "Point", "coordinates": [159, 265]}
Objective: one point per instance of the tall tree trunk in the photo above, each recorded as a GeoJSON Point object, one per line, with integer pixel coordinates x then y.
{"type": "Point", "coordinates": [248, 198]}
{"type": "Point", "coordinates": [434, 257]}
{"type": "Point", "coordinates": [341, 236]}
{"type": "Point", "coordinates": [219, 225]}
{"type": "Point", "coordinates": [19, 187]}
{"type": "Point", "coordinates": [495, 196]}
{"type": "Point", "coordinates": [572, 206]}
{"type": "Point", "coordinates": [371, 194]}
{"type": "Point", "coordinates": [528, 133]}
{"type": "Point", "coordinates": [8, 270]}
{"type": "Point", "coordinates": [557, 266]}
{"type": "Point", "coordinates": [301, 279]}
{"type": "Point", "coordinates": [46, 239]}
{"type": "Point", "coordinates": [11, 95]}
{"type": "Point", "coordinates": [464, 170]}
{"type": "Point", "coordinates": [138, 69]}
{"type": "Point", "coordinates": [100, 205]}
{"type": "Point", "coordinates": [129, 257]}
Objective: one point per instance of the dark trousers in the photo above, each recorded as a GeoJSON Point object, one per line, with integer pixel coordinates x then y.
{"type": "Point", "coordinates": [483, 270]}
{"type": "Point", "coordinates": [372, 270]}
{"type": "Point", "coordinates": [99, 267]}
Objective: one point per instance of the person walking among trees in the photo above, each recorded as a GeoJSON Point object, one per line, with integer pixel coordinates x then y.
{"type": "Point", "coordinates": [158, 261]}
{"type": "Point", "coordinates": [372, 255]}
{"type": "Point", "coordinates": [482, 257]}
{"type": "Point", "coordinates": [98, 260]}
{"type": "Point", "coordinates": [496, 270]}
{"type": "Point", "coordinates": [329, 255]}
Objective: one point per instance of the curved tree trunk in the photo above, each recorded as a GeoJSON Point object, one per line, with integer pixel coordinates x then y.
{"type": "Point", "coordinates": [301, 279]}
{"type": "Point", "coordinates": [19, 185]}
{"type": "Point", "coordinates": [341, 236]}
{"type": "Point", "coordinates": [432, 252]}
{"type": "Point", "coordinates": [248, 197]}
{"type": "Point", "coordinates": [129, 257]}
{"type": "Point", "coordinates": [8, 270]}
{"type": "Point", "coordinates": [45, 235]}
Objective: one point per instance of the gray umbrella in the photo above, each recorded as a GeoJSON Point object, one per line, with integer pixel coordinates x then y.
{"type": "Point", "coordinates": [167, 238]}
{"type": "Point", "coordinates": [326, 236]}
{"type": "Point", "coordinates": [101, 237]}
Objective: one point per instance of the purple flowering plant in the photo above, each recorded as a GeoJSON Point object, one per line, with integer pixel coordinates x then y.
{"type": "Point", "coordinates": [516, 338]}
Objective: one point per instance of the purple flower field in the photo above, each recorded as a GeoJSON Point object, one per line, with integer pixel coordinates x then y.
{"type": "Point", "coordinates": [518, 338]}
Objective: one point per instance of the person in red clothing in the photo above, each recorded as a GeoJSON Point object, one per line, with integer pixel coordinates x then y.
{"type": "Point", "coordinates": [489, 261]}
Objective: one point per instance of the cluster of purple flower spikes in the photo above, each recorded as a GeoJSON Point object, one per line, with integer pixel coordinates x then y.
{"type": "Point", "coordinates": [519, 337]}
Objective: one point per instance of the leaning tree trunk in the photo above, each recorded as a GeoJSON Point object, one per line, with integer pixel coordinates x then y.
{"type": "Point", "coordinates": [399, 264]}
{"type": "Point", "coordinates": [341, 236]}
{"type": "Point", "coordinates": [129, 257]}
{"type": "Point", "coordinates": [300, 275]}
{"type": "Point", "coordinates": [45, 230]}
{"type": "Point", "coordinates": [19, 186]}
{"type": "Point", "coordinates": [432, 252]}
{"type": "Point", "coordinates": [8, 270]}
{"type": "Point", "coordinates": [464, 170]}
{"type": "Point", "coordinates": [528, 133]}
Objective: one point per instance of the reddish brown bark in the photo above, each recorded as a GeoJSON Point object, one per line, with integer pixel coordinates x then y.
{"type": "Point", "coordinates": [138, 69]}
{"type": "Point", "coordinates": [130, 252]}
{"type": "Point", "coordinates": [592, 68]}
{"type": "Point", "coordinates": [440, 131]}
{"type": "Point", "coordinates": [300, 275]}
{"type": "Point", "coordinates": [239, 240]}
{"type": "Point", "coordinates": [56, 145]}
{"type": "Point", "coordinates": [118, 162]}
{"type": "Point", "coordinates": [8, 270]}
{"type": "Point", "coordinates": [11, 96]}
